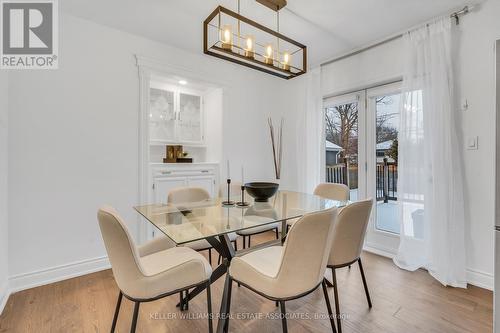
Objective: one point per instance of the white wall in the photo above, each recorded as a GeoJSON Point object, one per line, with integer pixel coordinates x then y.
{"type": "Point", "coordinates": [475, 77]}
{"type": "Point", "coordinates": [476, 83]}
{"type": "Point", "coordinates": [73, 143]}
{"type": "Point", "coordinates": [4, 259]}
{"type": "Point", "coordinates": [378, 65]}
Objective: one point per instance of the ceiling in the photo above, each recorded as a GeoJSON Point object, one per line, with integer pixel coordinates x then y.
{"type": "Point", "coordinates": [327, 27]}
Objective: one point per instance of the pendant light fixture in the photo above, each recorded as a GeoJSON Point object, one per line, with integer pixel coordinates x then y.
{"type": "Point", "coordinates": [230, 36]}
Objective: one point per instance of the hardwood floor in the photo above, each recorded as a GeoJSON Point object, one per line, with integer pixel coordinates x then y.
{"type": "Point", "coordinates": [402, 302]}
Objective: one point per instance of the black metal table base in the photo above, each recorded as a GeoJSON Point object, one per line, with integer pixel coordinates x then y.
{"type": "Point", "coordinates": [221, 244]}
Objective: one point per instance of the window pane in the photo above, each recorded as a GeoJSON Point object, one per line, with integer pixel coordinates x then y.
{"type": "Point", "coordinates": [342, 145]}
{"type": "Point", "coordinates": [387, 125]}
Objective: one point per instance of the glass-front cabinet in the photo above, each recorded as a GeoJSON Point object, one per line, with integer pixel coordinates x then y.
{"type": "Point", "coordinates": [190, 118]}
{"type": "Point", "coordinates": [175, 116]}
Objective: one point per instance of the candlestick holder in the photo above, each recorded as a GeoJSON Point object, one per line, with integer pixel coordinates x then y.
{"type": "Point", "coordinates": [242, 203]}
{"type": "Point", "coordinates": [228, 202]}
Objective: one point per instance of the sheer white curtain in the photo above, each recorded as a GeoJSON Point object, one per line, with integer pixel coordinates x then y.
{"type": "Point", "coordinates": [310, 144]}
{"type": "Point", "coordinates": [430, 184]}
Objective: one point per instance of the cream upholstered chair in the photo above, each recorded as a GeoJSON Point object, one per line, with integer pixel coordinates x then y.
{"type": "Point", "coordinates": [348, 239]}
{"type": "Point", "coordinates": [282, 273]}
{"type": "Point", "coordinates": [332, 191]}
{"type": "Point", "coordinates": [194, 194]}
{"type": "Point", "coordinates": [146, 275]}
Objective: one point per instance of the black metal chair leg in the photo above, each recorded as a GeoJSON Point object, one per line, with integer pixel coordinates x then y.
{"type": "Point", "coordinates": [249, 240]}
{"type": "Point", "coordinates": [235, 243]}
{"type": "Point", "coordinates": [117, 310]}
{"type": "Point", "coordinates": [134, 318]}
{"type": "Point", "coordinates": [218, 259]}
{"type": "Point", "coordinates": [244, 242]}
{"type": "Point", "coordinates": [181, 300]}
{"type": "Point", "coordinates": [283, 316]}
{"type": "Point", "coordinates": [364, 283]}
{"type": "Point", "coordinates": [328, 306]}
{"type": "Point", "coordinates": [328, 283]}
{"type": "Point", "coordinates": [209, 309]}
{"type": "Point", "coordinates": [337, 307]}
{"type": "Point", "coordinates": [277, 233]}
{"type": "Point", "coordinates": [230, 287]}
{"type": "Point", "coordinates": [186, 300]}
{"type": "Point", "coordinates": [210, 256]}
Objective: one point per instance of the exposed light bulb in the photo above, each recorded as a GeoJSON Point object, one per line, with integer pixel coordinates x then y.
{"type": "Point", "coordinates": [286, 61]}
{"type": "Point", "coordinates": [268, 58]}
{"type": "Point", "coordinates": [286, 58]}
{"type": "Point", "coordinates": [183, 82]}
{"type": "Point", "coordinates": [269, 51]}
{"type": "Point", "coordinates": [249, 44]}
{"type": "Point", "coordinates": [249, 52]}
{"type": "Point", "coordinates": [226, 37]}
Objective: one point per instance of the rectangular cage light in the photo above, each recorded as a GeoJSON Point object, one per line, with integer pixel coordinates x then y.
{"type": "Point", "coordinates": [230, 36]}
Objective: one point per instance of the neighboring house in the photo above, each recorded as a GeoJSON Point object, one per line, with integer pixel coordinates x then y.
{"type": "Point", "coordinates": [382, 151]}
{"type": "Point", "coordinates": [332, 153]}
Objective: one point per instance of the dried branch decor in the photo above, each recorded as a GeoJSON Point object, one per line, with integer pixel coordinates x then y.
{"type": "Point", "coordinates": [277, 145]}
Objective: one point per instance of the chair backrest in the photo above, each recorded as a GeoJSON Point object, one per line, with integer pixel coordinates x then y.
{"type": "Point", "coordinates": [187, 194]}
{"type": "Point", "coordinates": [306, 251]}
{"type": "Point", "coordinates": [121, 250]}
{"type": "Point", "coordinates": [332, 191]}
{"type": "Point", "coordinates": [349, 232]}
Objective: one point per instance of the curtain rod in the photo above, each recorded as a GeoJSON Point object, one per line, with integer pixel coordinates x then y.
{"type": "Point", "coordinates": [455, 15]}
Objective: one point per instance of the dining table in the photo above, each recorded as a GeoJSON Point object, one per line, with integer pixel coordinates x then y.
{"type": "Point", "coordinates": [212, 221]}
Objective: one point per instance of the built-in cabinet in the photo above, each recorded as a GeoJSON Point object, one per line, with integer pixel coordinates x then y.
{"type": "Point", "coordinates": [175, 115]}
{"type": "Point", "coordinates": [172, 113]}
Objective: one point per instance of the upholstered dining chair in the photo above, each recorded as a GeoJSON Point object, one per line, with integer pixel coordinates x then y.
{"type": "Point", "coordinates": [332, 191]}
{"type": "Point", "coordinates": [190, 195]}
{"type": "Point", "coordinates": [348, 238]}
{"type": "Point", "coordinates": [291, 271]}
{"type": "Point", "coordinates": [146, 274]}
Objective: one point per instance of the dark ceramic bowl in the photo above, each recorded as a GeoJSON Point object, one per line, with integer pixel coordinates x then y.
{"type": "Point", "coordinates": [261, 191]}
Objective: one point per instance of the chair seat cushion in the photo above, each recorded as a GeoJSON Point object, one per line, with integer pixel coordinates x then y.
{"type": "Point", "coordinates": [258, 270]}
{"type": "Point", "coordinates": [259, 229]}
{"type": "Point", "coordinates": [172, 269]}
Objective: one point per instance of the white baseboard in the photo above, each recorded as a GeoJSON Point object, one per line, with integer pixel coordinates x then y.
{"type": "Point", "coordinates": [57, 273]}
{"type": "Point", "coordinates": [384, 252]}
{"type": "Point", "coordinates": [4, 295]}
{"type": "Point", "coordinates": [480, 279]}
{"type": "Point", "coordinates": [474, 277]}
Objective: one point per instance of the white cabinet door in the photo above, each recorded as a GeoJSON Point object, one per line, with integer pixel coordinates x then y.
{"type": "Point", "coordinates": [162, 186]}
{"type": "Point", "coordinates": [190, 123]}
{"type": "Point", "coordinates": [205, 182]}
{"type": "Point", "coordinates": [162, 115]}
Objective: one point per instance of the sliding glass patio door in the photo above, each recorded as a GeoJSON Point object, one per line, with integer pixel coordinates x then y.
{"type": "Point", "coordinates": [361, 132]}
{"type": "Point", "coordinates": [345, 136]}
{"type": "Point", "coordinates": [383, 105]}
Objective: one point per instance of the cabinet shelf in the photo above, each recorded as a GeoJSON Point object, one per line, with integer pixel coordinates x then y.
{"type": "Point", "coordinates": [185, 144]}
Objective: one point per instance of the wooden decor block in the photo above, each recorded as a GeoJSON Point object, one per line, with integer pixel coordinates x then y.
{"type": "Point", "coordinates": [171, 156]}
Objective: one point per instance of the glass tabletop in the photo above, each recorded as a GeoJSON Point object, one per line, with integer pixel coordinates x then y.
{"type": "Point", "coordinates": [187, 222]}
